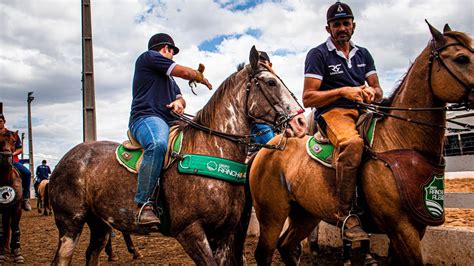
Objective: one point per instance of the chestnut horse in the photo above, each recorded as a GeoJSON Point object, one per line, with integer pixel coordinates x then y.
{"type": "Point", "coordinates": [10, 199]}
{"type": "Point", "coordinates": [290, 184]}
{"type": "Point", "coordinates": [89, 186]}
{"type": "Point", "coordinates": [43, 198]}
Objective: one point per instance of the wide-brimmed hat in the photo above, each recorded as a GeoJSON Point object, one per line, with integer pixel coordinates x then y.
{"type": "Point", "coordinates": [339, 10]}
{"type": "Point", "coordinates": [162, 38]}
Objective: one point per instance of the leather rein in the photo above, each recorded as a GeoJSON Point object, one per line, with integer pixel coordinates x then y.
{"type": "Point", "coordinates": [280, 120]}
{"type": "Point", "coordinates": [434, 55]}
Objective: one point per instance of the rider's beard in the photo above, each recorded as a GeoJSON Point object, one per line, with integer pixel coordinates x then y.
{"type": "Point", "coordinates": [342, 37]}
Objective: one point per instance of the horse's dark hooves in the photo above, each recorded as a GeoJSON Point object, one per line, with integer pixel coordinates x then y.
{"type": "Point", "coordinates": [137, 256]}
{"type": "Point", "coordinates": [370, 262]}
{"type": "Point", "coordinates": [113, 258]}
{"type": "Point", "coordinates": [19, 259]}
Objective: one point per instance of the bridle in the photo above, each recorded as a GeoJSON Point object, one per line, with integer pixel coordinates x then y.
{"type": "Point", "coordinates": [281, 120]}
{"type": "Point", "coordinates": [434, 55]}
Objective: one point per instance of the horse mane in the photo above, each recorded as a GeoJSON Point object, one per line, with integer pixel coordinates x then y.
{"type": "Point", "coordinates": [389, 101]}
{"type": "Point", "coordinates": [461, 37]}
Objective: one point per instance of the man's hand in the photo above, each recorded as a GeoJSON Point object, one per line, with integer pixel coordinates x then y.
{"type": "Point", "coordinates": [199, 78]}
{"type": "Point", "coordinates": [177, 105]}
{"type": "Point", "coordinates": [353, 93]}
{"type": "Point", "coordinates": [369, 94]}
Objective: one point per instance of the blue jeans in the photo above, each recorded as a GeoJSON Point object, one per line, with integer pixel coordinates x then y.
{"type": "Point", "coordinates": [152, 133]}
{"type": "Point", "coordinates": [25, 179]}
{"type": "Point", "coordinates": [260, 127]}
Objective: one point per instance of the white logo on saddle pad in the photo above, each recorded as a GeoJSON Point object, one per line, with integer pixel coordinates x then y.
{"type": "Point", "coordinates": [7, 195]}
{"type": "Point", "coordinates": [211, 166]}
{"type": "Point", "coordinates": [335, 69]}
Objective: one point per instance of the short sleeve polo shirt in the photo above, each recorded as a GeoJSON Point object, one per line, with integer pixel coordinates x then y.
{"type": "Point", "coordinates": [153, 87]}
{"type": "Point", "coordinates": [329, 65]}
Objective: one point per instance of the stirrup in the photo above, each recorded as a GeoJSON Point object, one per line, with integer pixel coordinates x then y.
{"type": "Point", "coordinates": [343, 228]}
{"type": "Point", "coordinates": [149, 202]}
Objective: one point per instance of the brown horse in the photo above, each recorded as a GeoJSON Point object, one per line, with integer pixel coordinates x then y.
{"type": "Point", "coordinates": [290, 184]}
{"type": "Point", "coordinates": [10, 199]}
{"type": "Point", "coordinates": [89, 186]}
{"type": "Point", "coordinates": [43, 198]}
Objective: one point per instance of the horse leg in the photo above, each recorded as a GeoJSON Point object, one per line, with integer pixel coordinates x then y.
{"type": "Point", "coordinates": [130, 247]}
{"type": "Point", "coordinates": [70, 227]}
{"type": "Point", "coordinates": [100, 233]}
{"type": "Point", "coordinates": [108, 249]}
{"type": "Point", "coordinates": [313, 244]}
{"type": "Point", "coordinates": [301, 223]}
{"type": "Point", "coordinates": [195, 243]}
{"type": "Point", "coordinates": [405, 242]}
{"type": "Point", "coordinates": [38, 205]}
{"type": "Point", "coordinates": [4, 231]}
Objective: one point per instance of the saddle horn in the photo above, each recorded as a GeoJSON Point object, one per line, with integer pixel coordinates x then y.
{"type": "Point", "coordinates": [437, 36]}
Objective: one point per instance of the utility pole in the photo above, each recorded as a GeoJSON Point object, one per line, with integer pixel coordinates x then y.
{"type": "Point", "coordinates": [1, 108]}
{"type": "Point", "coordinates": [22, 141]}
{"type": "Point", "coordinates": [30, 134]}
{"type": "Point", "coordinates": [88, 93]}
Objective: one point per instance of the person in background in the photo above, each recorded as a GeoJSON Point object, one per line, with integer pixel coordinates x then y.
{"type": "Point", "coordinates": [155, 95]}
{"type": "Point", "coordinates": [336, 73]}
{"type": "Point", "coordinates": [262, 128]}
{"type": "Point", "coordinates": [24, 172]}
{"type": "Point", "coordinates": [42, 173]}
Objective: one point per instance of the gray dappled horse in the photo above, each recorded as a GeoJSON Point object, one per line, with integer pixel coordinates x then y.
{"type": "Point", "coordinates": [89, 186]}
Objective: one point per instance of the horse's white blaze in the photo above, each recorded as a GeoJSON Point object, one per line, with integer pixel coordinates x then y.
{"type": "Point", "coordinates": [67, 247]}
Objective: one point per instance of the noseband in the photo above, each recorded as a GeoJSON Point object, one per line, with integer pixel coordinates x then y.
{"type": "Point", "coordinates": [435, 55]}
{"type": "Point", "coordinates": [281, 118]}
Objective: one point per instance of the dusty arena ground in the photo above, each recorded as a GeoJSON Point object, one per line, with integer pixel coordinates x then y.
{"type": "Point", "coordinates": [39, 240]}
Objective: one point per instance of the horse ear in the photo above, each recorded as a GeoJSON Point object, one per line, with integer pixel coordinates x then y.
{"type": "Point", "coordinates": [253, 58]}
{"type": "Point", "coordinates": [446, 28]}
{"type": "Point", "coordinates": [437, 36]}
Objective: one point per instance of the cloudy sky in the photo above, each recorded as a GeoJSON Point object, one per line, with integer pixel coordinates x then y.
{"type": "Point", "coordinates": [40, 51]}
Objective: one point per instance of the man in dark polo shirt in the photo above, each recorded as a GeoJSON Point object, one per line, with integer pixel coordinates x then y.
{"type": "Point", "coordinates": [336, 73]}
{"type": "Point", "coordinates": [42, 173]}
{"type": "Point", "coordinates": [155, 94]}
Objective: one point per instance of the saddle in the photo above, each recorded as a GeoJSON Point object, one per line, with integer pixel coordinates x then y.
{"type": "Point", "coordinates": [130, 153]}
{"type": "Point", "coordinates": [320, 148]}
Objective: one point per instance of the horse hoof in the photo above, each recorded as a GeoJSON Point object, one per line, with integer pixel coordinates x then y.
{"type": "Point", "coordinates": [2, 258]}
{"type": "Point", "coordinates": [19, 259]}
{"type": "Point", "coordinates": [113, 258]}
{"type": "Point", "coordinates": [137, 256]}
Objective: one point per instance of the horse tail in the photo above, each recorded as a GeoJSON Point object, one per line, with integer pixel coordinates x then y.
{"type": "Point", "coordinates": [46, 197]}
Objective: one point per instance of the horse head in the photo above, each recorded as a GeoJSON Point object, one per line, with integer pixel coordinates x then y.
{"type": "Point", "coordinates": [270, 101]}
{"type": "Point", "coordinates": [451, 66]}
{"type": "Point", "coordinates": [7, 147]}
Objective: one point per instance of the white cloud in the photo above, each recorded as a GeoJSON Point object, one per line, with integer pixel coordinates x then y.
{"type": "Point", "coordinates": [40, 51]}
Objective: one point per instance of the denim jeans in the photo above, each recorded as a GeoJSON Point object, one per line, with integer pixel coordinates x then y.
{"type": "Point", "coordinates": [260, 127]}
{"type": "Point", "coordinates": [25, 179]}
{"type": "Point", "coordinates": [152, 133]}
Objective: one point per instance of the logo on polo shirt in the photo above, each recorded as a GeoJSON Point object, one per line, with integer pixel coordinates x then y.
{"type": "Point", "coordinates": [335, 69]}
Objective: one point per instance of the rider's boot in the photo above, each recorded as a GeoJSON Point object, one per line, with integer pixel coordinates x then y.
{"type": "Point", "coordinates": [146, 215]}
{"type": "Point", "coordinates": [26, 205]}
{"type": "Point", "coordinates": [352, 228]}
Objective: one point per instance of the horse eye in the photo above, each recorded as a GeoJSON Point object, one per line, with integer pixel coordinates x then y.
{"type": "Point", "coordinates": [462, 59]}
{"type": "Point", "coordinates": [271, 82]}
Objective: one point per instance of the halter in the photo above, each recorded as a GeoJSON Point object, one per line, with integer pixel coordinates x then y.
{"type": "Point", "coordinates": [280, 120]}
{"type": "Point", "coordinates": [435, 54]}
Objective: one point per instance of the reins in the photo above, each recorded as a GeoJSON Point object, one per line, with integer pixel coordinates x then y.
{"type": "Point", "coordinates": [435, 54]}
{"type": "Point", "coordinates": [281, 120]}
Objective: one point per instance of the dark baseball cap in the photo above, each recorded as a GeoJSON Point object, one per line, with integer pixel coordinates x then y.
{"type": "Point", "coordinates": [339, 10]}
{"type": "Point", "coordinates": [162, 38]}
{"type": "Point", "coordinates": [263, 55]}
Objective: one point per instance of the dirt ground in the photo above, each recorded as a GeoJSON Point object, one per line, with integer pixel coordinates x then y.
{"type": "Point", "coordinates": [39, 240]}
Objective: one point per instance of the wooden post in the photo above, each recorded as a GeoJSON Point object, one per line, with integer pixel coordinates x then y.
{"type": "Point", "coordinates": [88, 92]}
{"type": "Point", "coordinates": [30, 135]}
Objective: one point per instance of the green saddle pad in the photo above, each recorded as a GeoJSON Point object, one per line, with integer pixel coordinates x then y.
{"type": "Point", "coordinates": [322, 152]}
{"type": "Point", "coordinates": [130, 159]}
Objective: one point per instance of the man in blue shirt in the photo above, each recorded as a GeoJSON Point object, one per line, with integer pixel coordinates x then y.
{"type": "Point", "coordinates": [262, 128]}
{"type": "Point", "coordinates": [155, 94]}
{"type": "Point", "coordinates": [336, 73]}
{"type": "Point", "coordinates": [42, 173]}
